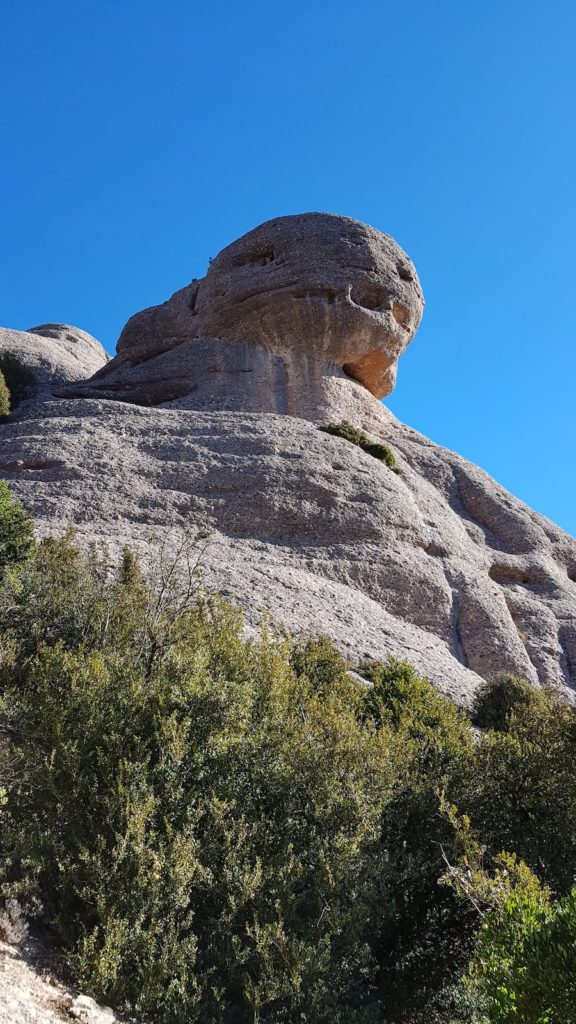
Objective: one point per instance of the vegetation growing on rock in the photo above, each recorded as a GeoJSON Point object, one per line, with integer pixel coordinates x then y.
{"type": "Point", "coordinates": [350, 433]}
{"type": "Point", "coordinates": [4, 397]}
{"type": "Point", "coordinates": [230, 830]}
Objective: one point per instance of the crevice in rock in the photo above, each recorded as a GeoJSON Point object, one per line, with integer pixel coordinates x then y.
{"type": "Point", "coordinates": [511, 574]}
{"type": "Point", "coordinates": [567, 641]}
{"type": "Point", "coordinates": [401, 314]}
{"type": "Point", "coordinates": [457, 645]}
{"type": "Point", "coordinates": [193, 297]}
{"type": "Point", "coordinates": [260, 259]}
{"type": "Point", "coordinates": [461, 507]}
{"type": "Point", "coordinates": [522, 635]}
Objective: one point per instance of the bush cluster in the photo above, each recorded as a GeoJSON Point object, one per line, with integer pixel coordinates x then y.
{"type": "Point", "coordinates": [226, 830]}
{"type": "Point", "coordinates": [4, 397]}
{"type": "Point", "coordinates": [359, 438]}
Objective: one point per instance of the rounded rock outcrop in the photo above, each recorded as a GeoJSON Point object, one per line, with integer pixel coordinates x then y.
{"type": "Point", "coordinates": [38, 362]}
{"type": "Point", "coordinates": [316, 284]}
{"type": "Point", "coordinates": [291, 318]}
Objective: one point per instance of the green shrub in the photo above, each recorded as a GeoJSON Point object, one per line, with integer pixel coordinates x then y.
{"type": "Point", "coordinates": [16, 530]}
{"type": "Point", "coordinates": [228, 830]}
{"type": "Point", "coordinates": [4, 397]}
{"type": "Point", "coordinates": [523, 794]}
{"type": "Point", "coordinates": [345, 430]}
{"type": "Point", "coordinates": [496, 701]}
{"type": "Point", "coordinates": [359, 438]}
{"type": "Point", "coordinates": [203, 837]}
{"type": "Point", "coordinates": [524, 963]}
{"type": "Point", "coordinates": [424, 935]}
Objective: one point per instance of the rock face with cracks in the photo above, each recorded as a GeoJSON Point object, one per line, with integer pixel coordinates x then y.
{"type": "Point", "coordinates": [209, 415]}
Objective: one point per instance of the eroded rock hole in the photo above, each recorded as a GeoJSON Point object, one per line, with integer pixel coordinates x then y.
{"type": "Point", "coordinates": [260, 259]}
{"type": "Point", "coordinates": [400, 314]}
{"type": "Point", "coordinates": [404, 272]}
{"type": "Point", "coordinates": [435, 550]}
{"type": "Point", "coordinates": [510, 574]}
{"type": "Point", "coordinates": [368, 295]}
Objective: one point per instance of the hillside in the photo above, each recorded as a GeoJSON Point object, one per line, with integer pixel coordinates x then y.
{"type": "Point", "coordinates": [208, 416]}
{"type": "Point", "coordinates": [287, 728]}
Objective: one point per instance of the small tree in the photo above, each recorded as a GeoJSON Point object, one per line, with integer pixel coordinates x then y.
{"type": "Point", "coordinates": [16, 529]}
{"type": "Point", "coordinates": [524, 961]}
{"type": "Point", "coordinates": [4, 397]}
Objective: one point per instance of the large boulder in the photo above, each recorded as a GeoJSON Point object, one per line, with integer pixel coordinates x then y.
{"type": "Point", "coordinates": [284, 316]}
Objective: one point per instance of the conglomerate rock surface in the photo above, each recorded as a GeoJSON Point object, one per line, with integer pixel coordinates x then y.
{"type": "Point", "coordinates": [209, 415]}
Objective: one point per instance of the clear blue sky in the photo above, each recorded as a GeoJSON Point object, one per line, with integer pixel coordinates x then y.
{"type": "Point", "coordinates": [141, 136]}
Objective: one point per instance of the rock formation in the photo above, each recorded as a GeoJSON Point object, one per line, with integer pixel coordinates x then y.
{"type": "Point", "coordinates": [300, 322]}
{"type": "Point", "coordinates": [31, 994]}
{"type": "Point", "coordinates": [38, 361]}
{"type": "Point", "coordinates": [284, 319]}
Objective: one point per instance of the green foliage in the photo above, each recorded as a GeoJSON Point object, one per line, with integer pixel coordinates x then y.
{"type": "Point", "coordinates": [16, 530]}
{"type": "Point", "coordinates": [424, 935]}
{"type": "Point", "coordinates": [496, 701]}
{"type": "Point", "coordinates": [359, 438]}
{"type": "Point", "coordinates": [522, 796]}
{"type": "Point", "coordinates": [204, 836]}
{"type": "Point", "coordinates": [524, 962]}
{"type": "Point", "coordinates": [4, 397]}
{"type": "Point", "coordinates": [227, 830]}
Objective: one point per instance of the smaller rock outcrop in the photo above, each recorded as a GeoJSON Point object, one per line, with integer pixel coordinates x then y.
{"type": "Point", "coordinates": [37, 362]}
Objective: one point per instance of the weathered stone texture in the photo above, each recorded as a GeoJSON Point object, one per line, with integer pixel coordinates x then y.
{"type": "Point", "coordinates": [439, 565]}
{"type": "Point", "coordinates": [288, 308]}
{"type": "Point", "coordinates": [39, 361]}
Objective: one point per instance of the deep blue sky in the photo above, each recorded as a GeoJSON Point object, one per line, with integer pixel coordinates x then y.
{"type": "Point", "coordinates": [141, 136]}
